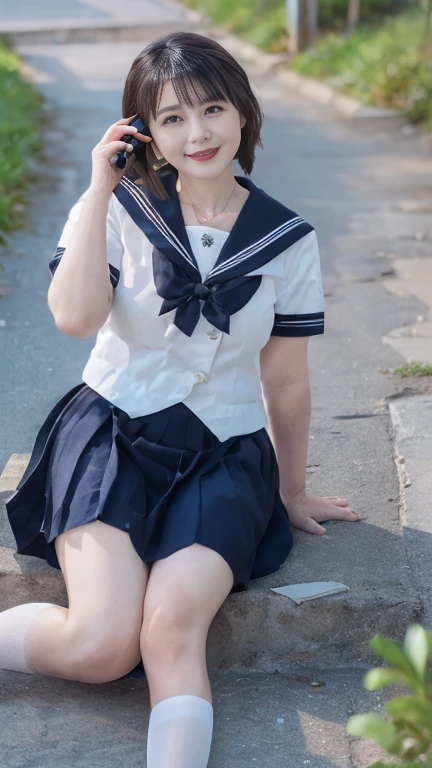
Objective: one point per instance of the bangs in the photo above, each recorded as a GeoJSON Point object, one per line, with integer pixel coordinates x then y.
{"type": "Point", "coordinates": [200, 70]}
{"type": "Point", "coordinates": [193, 82]}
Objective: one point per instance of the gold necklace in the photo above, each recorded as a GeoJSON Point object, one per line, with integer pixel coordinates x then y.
{"type": "Point", "coordinates": [205, 221]}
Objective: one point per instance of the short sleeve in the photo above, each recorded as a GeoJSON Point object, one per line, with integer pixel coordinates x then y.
{"type": "Point", "coordinates": [299, 306]}
{"type": "Point", "coordinates": [114, 241]}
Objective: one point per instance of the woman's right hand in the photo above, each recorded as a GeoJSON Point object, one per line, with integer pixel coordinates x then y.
{"type": "Point", "coordinates": [105, 176]}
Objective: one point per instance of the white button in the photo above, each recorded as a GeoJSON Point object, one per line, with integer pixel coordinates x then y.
{"type": "Point", "coordinates": [213, 334]}
{"type": "Point", "coordinates": [200, 377]}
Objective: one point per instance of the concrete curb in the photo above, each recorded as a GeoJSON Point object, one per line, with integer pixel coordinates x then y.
{"type": "Point", "coordinates": [258, 628]}
{"type": "Point", "coordinates": [412, 277]}
{"type": "Point", "coordinates": [323, 93]}
{"type": "Point", "coordinates": [411, 419]}
{"type": "Point", "coordinates": [63, 31]}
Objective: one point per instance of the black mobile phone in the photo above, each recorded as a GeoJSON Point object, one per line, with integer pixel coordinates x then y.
{"type": "Point", "coordinates": [138, 146]}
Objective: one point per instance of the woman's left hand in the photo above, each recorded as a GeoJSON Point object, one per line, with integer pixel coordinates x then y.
{"type": "Point", "coordinates": [307, 512]}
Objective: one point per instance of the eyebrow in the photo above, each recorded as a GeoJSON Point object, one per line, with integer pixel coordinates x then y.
{"type": "Point", "coordinates": [179, 106]}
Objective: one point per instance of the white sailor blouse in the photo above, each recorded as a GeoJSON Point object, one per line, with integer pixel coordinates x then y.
{"type": "Point", "coordinates": [173, 336]}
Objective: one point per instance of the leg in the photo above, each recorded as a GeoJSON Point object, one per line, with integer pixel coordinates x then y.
{"type": "Point", "coordinates": [184, 593]}
{"type": "Point", "coordinates": [97, 638]}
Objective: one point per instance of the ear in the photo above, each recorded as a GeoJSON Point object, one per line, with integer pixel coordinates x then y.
{"type": "Point", "coordinates": [242, 122]}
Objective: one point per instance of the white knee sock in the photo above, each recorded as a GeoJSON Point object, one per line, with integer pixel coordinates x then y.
{"type": "Point", "coordinates": [180, 733]}
{"type": "Point", "coordinates": [14, 629]}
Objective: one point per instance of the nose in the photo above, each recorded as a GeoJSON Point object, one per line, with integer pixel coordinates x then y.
{"type": "Point", "coordinates": [198, 131]}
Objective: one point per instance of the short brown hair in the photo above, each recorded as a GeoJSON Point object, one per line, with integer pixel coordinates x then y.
{"type": "Point", "coordinates": [199, 66]}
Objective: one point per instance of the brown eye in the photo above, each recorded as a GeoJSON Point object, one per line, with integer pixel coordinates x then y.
{"type": "Point", "coordinates": [214, 106]}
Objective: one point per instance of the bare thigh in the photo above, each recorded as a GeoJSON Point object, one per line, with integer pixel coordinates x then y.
{"type": "Point", "coordinates": [106, 582]}
{"type": "Point", "coordinates": [103, 572]}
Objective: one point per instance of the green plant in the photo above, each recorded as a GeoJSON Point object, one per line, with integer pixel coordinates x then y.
{"type": "Point", "coordinates": [261, 22]}
{"type": "Point", "coordinates": [414, 368]}
{"type": "Point", "coordinates": [332, 14]}
{"type": "Point", "coordinates": [389, 65]}
{"type": "Point", "coordinates": [20, 142]}
{"type": "Point", "coordinates": [407, 733]}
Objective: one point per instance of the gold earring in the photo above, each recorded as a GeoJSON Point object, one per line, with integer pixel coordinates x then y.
{"type": "Point", "coordinates": [159, 163]}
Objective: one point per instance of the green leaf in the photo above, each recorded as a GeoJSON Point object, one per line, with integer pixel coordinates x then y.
{"type": "Point", "coordinates": [411, 709]}
{"type": "Point", "coordinates": [417, 646]}
{"type": "Point", "coordinates": [383, 676]}
{"type": "Point", "coordinates": [373, 727]}
{"type": "Point", "coordinates": [393, 653]}
{"type": "Point", "coordinates": [416, 764]}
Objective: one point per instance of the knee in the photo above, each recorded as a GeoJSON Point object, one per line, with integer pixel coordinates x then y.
{"type": "Point", "coordinates": [168, 634]}
{"type": "Point", "coordinates": [99, 656]}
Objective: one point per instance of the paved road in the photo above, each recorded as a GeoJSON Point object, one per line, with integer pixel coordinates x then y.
{"type": "Point", "coordinates": [267, 721]}
{"type": "Point", "coordinates": [47, 9]}
{"type": "Point", "coordinates": [347, 180]}
{"type": "Point", "coordinates": [38, 10]}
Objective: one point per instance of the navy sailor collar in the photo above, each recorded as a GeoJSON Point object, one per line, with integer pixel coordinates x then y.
{"type": "Point", "coordinates": [263, 229]}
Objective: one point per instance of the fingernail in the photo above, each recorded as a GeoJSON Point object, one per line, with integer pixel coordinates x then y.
{"type": "Point", "coordinates": [129, 147]}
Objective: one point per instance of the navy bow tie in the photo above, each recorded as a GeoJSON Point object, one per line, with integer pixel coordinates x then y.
{"type": "Point", "coordinates": [221, 298]}
{"type": "Point", "coordinates": [263, 228]}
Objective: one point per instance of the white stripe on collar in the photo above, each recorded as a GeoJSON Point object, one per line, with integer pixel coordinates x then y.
{"type": "Point", "coordinates": [258, 245]}
{"type": "Point", "coordinates": [156, 218]}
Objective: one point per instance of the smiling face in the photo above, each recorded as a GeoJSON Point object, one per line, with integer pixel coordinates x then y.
{"type": "Point", "coordinates": [183, 130]}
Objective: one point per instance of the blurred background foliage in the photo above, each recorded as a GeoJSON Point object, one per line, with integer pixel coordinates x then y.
{"type": "Point", "coordinates": [386, 61]}
{"type": "Point", "coordinates": [389, 65]}
{"type": "Point", "coordinates": [332, 14]}
{"type": "Point", "coordinates": [20, 139]}
{"type": "Point", "coordinates": [263, 22]}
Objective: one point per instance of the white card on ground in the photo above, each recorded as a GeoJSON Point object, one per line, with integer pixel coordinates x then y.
{"type": "Point", "coordinates": [301, 592]}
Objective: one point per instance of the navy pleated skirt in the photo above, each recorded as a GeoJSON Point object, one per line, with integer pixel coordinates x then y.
{"type": "Point", "coordinates": [165, 478]}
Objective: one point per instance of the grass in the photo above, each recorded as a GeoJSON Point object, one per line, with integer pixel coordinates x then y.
{"type": "Point", "coordinates": [20, 139]}
{"type": "Point", "coordinates": [389, 65]}
{"type": "Point", "coordinates": [261, 22]}
{"type": "Point", "coordinates": [417, 764]}
{"type": "Point", "coordinates": [415, 368]}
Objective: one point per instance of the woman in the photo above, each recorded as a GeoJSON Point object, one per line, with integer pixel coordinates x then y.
{"type": "Point", "coordinates": [153, 484]}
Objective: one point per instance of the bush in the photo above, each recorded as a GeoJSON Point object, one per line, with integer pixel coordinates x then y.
{"type": "Point", "coordinates": [407, 734]}
{"type": "Point", "coordinates": [261, 22]}
{"type": "Point", "coordinates": [390, 66]}
{"type": "Point", "coordinates": [332, 14]}
{"type": "Point", "coordinates": [19, 137]}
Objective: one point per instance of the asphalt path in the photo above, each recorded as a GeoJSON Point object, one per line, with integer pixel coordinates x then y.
{"type": "Point", "coordinates": [348, 179]}
{"type": "Point", "coordinates": [47, 9]}
{"type": "Point", "coordinates": [345, 178]}
{"type": "Point", "coordinates": [28, 11]}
